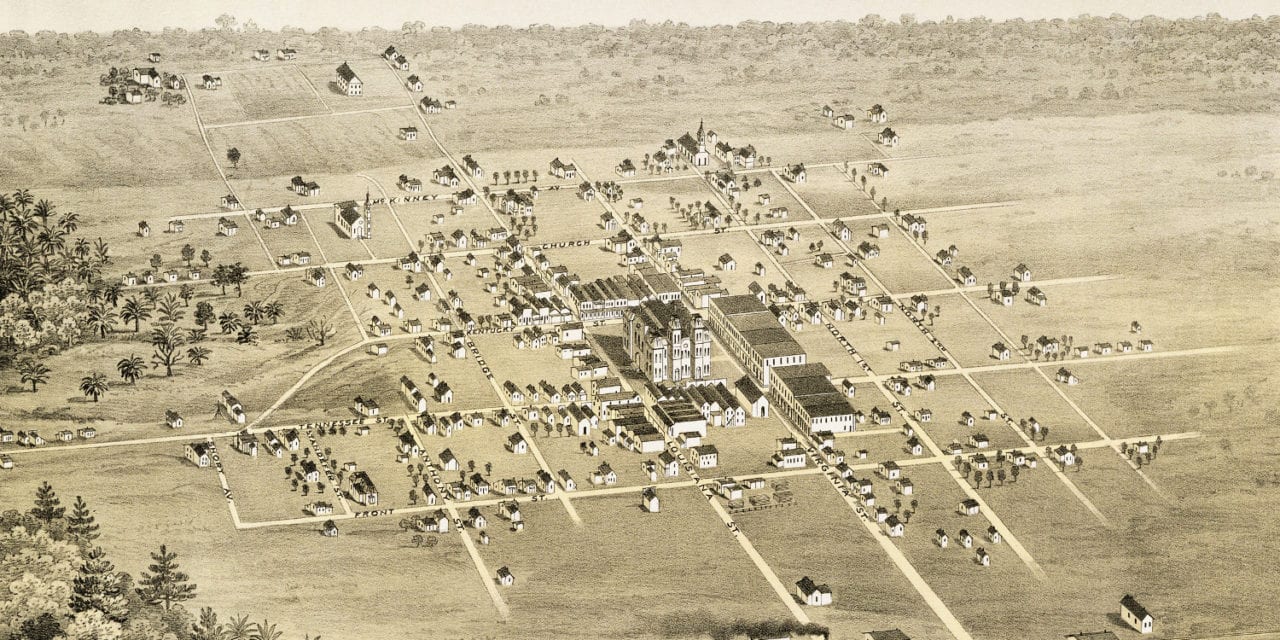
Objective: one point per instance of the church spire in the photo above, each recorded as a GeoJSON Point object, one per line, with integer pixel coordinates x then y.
{"type": "Point", "coordinates": [368, 217]}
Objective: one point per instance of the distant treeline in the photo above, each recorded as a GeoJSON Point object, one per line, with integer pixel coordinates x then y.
{"type": "Point", "coordinates": [1155, 46]}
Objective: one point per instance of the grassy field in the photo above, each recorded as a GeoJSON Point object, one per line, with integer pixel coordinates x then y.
{"type": "Point", "coordinates": [278, 91]}
{"type": "Point", "coordinates": [868, 592]}
{"type": "Point", "coordinates": [682, 553]}
{"type": "Point", "coordinates": [1160, 201]}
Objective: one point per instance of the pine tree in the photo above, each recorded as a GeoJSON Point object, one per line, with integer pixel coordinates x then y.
{"type": "Point", "coordinates": [48, 508]}
{"type": "Point", "coordinates": [81, 524]}
{"type": "Point", "coordinates": [98, 587]}
{"type": "Point", "coordinates": [165, 585]}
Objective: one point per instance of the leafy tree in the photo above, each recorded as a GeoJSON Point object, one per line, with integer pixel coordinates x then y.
{"type": "Point", "coordinates": [80, 523]}
{"type": "Point", "coordinates": [233, 154]}
{"type": "Point", "coordinates": [99, 588]}
{"type": "Point", "coordinates": [205, 256]}
{"type": "Point", "coordinates": [204, 314]}
{"type": "Point", "coordinates": [94, 386]}
{"type": "Point", "coordinates": [130, 368]}
{"type": "Point", "coordinates": [186, 292]}
{"type": "Point", "coordinates": [197, 355]}
{"type": "Point", "coordinates": [46, 626]}
{"type": "Point", "coordinates": [163, 583]}
{"type": "Point", "coordinates": [33, 371]}
{"type": "Point", "coordinates": [48, 507]}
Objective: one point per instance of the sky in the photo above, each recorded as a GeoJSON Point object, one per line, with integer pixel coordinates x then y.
{"type": "Point", "coordinates": [109, 15]}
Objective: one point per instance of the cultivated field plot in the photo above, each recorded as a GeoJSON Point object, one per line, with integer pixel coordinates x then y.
{"type": "Point", "coordinates": [901, 266]}
{"type": "Point", "coordinates": [589, 262]}
{"type": "Point", "coordinates": [867, 591]}
{"type": "Point", "coordinates": [484, 446]}
{"type": "Point", "coordinates": [966, 334]}
{"type": "Point", "coordinates": [357, 373]}
{"type": "Point", "coordinates": [1024, 395]}
{"type": "Point", "coordinates": [526, 366]}
{"type": "Point", "coordinates": [259, 485]}
{"type": "Point", "coordinates": [872, 340]}
{"type": "Point", "coordinates": [831, 194]}
{"type": "Point", "coordinates": [745, 451]}
{"type": "Point", "coordinates": [948, 402]}
{"type": "Point", "coordinates": [688, 192]}
{"type": "Point", "coordinates": [107, 146]}
{"type": "Point", "coordinates": [169, 501]}
{"type": "Point", "coordinates": [1221, 394]}
{"type": "Point", "coordinates": [341, 144]}
{"type": "Point", "coordinates": [563, 216]}
{"type": "Point", "coordinates": [704, 251]}
{"type": "Point", "coordinates": [287, 240]}
{"type": "Point", "coordinates": [131, 253]}
{"type": "Point", "coordinates": [257, 94]}
{"type": "Point", "coordinates": [1113, 305]}
{"type": "Point", "coordinates": [375, 454]}
{"type": "Point", "coordinates": [382, 86]}
{"type": "Point", "coordinates": [719, 584]}
{"type": "Point", "coordinates": [818, 282]}
{"type": "Point", "coordinates": [563, 452]}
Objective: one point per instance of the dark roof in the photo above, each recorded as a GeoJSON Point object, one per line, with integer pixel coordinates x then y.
{"type": "Point", "coordinates": [345, 72]}
{"type": "Point", "coordinates": [1128, 602]}
{"type": "Point", "coordinates": [891, 634]}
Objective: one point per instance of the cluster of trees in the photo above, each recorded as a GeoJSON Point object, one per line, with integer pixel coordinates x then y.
{"type": "Point", "coordinates": [60, 584]}
{"type": "Point", "coordinates": [520, 176]}
{"type": "Point", "coordinates": [50, 280]}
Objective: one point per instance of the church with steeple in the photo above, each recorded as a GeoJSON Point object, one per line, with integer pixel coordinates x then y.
{"type": "Point", "coordinates": [694, 150]}
{"type": "Point", "coordinates": [351, 221]}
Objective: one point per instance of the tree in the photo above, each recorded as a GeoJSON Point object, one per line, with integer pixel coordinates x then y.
{"type": "Point", "coordinates": [265, 631]}
{"type": "Point", "coordinates": [197, 355]}
{"type": "Point", "coordinates": [100, 320]}
{"type": "Point", "coordinates": [239, 628]}
{"type": "Point", "coordinates": [229, 321]}
{"type": "Point", "coordinates": [204, 314]}
{"type": "Point", "coordinates": [246, 336]}
{"type": "Point", "coordinates": [48, 507]}
{"type": "Point", "coordinates": [130, 368]}
{"type": "Point", "coordinates": [186, 292]}
{"type": "Point", "coordinates": [33, 371]}
{"type": "Point", "coordinates": [320, 329]}
{"type": "Point", "coordinates": [45, 626]}
{"type": "Point", "coordinates": [98, 587]}
{"type": "Point", "coordinates": [208, 628]}
{"type": "Point", "coordinates": [1013, 472]}
{"type": "Point", "coordinates": [233, 154]}
{"type": "Point", "coordinates": [205, 256]}
{"type": "Point", "coordinates": [164, 584]}
{"type": "Point", "coordinates": [80, 524]}
{"type": "Point", "coordinates": [273, 311]}
{"type": "Point", "coordinates": [254, 311]}
{"type": "Point", "coordinates": [135, 311]}
{"type": "Point", "coordinates": [94, 385]}
{"type": "Point", "coordinates": [170, 311]}
{"type": "Point", "coordinates": [991, 476]}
